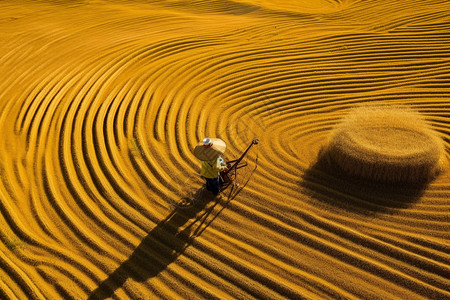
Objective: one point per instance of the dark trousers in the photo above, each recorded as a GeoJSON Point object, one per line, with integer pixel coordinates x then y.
{"type": "Point", "coordinates": [213, 185]}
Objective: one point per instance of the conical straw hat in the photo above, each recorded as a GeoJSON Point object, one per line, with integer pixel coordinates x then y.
{"type": "Point", "coordinates": [210, 149]}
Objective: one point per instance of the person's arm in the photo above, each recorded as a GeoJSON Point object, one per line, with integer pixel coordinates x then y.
{"type": "Point", "coordinates": [219, 165]}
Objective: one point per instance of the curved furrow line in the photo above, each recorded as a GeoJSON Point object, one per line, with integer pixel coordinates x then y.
{"type": "Point", "coordinates": [221, 7]}
{"type": "Point", "coordinates": [426, 18]}
{"type": "Point", "coordinates": [16, 224]}
{"type": "Point", "coordinates": [356, 238]}
{"type": "Point", "coordinates": [32, 103]}
{"type": "Point", "coordinates": [105, 120]}
{"type": "Point", "coordinates": [155, 168]}
{"type": "Point", "coordinates": [7, 292]}
{"type": "Point", "coordinates": [311, 272]}
{"type": "Point", "coordinates": [93, 92]}
{"type": "Point", "coordinates": [170, 113]}
{"type": "Point", "coordinates": [15, 184]}
{"type": "Point", "coordinates": [305, 147]}
{"type": "Point", "coordinates": [326, 284]}
{"type": "Point", "coordinates": [194, 286]}
{"type": "Point", "coordinates": [363, 41]}
{"type": "Point", "coordinates": [112, 153]}
{"type": "Point", "coordinates": [212, 285]}
{"type": "Point", "coordinates": [63, 288]}
{"type": "Point", "coordinates": [101, 216]}
{"type": "Point", "coordinates": [171, 65]}
{"type": "Point", "coordinates": [265, 256]}
{"type": "Point", "coordinates": [98, 170]}
{"type": "Point", "coordinates": [392, 255]}
{"type": "Point", "coordinates": [36, 102]}
{"type": "Point", "coordinates": [418, 249]}
{"type": "Point", "coordinates": [292, 137]}
{"type": "Point", "coordinates": [371, 9]}
{"type": "Point", "coordinates": [73, 269]}
{"type": "Point", "coordinates": [62, 253]}
{"type": "Point", "coordinates": [44, 221]}
{"type": "Point", "coordinates": [361, 195]}
{"type": "Point", "coordinates": [185, 117]}
{"type": "Point", "coordinates": [23, 50]}
{"type": "Point", "coordinates": [387, 228]}
{"type": "Point", "coordinates": [135, 147]}
{"type": "Point", "coordinates": [253, 281]}
{"type": "Point", "coordinates": [366, 42]}
{"type": "Point", "coordinates": [319, 85]}
{"type": "Point", "coordinates": [70, 166]}
{"type": "Point", "coordinates": [436, 29]}
{"type": "Point", "coordinates": [284, 164]}
{"type": "Point", "coordinates": [74, 229]}
{"type": "Point", "coordinates": [29, 102]}
{"type": "Point", "coordinates": [135, 150]}
{"type": "Point", "coordinates": [80, 236]}
{"type": "Point", "coordinates": [36, 125]}
{"type": "Point", "coordinates": [363, 261]}
{"type": "Point", "coordinates": [145, 166]}
{"type": "Point", "coordinates": [21, 279]}
{"type": "Point", "coordinates": [180, 96]}
{"type": "Point", "coordinates": [411, 19]}
{"type": "Point", "coordinates": [432, 262]}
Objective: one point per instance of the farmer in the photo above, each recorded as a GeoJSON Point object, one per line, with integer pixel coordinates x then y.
{"type": "Point", "coordinates": [211, 172]}
{"type": "Point", "coordinates": [209, 152]}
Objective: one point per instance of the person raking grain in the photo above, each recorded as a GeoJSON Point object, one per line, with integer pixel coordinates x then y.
{"type": "Point", "coordinates": [209, 152]}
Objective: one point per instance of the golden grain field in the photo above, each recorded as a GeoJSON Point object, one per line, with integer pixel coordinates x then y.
{"type": "Point", "coordinates": [102, 102]}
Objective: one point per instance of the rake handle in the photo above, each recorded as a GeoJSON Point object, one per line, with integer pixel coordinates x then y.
{"type": "Point", "coordinates": [237, 161]}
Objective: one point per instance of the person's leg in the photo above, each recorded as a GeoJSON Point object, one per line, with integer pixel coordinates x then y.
{"type": "Point", "coordinates": [208, 184]}
{"type": "Point", "coordinates": [215, 185]}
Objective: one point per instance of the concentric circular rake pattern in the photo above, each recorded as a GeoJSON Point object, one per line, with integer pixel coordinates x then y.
{"type": "Point", "coordinates": [102, 102]}
{"type": "Point", "coordinates": [385, 143]}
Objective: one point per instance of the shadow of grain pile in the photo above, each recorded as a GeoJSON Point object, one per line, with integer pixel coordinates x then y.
{"type": "Point", "coordinates": [328, 183]}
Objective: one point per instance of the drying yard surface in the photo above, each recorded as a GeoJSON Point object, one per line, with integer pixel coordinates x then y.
{"type": "Point", "coordinates": [102, 103]}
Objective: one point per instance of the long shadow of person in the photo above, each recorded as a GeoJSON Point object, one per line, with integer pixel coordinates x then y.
{"type": "Point", "coordinates": [162, 245]}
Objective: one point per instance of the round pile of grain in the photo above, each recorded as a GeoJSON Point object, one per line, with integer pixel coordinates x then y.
{"type": "Point", "coordinates": [386, 143]}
